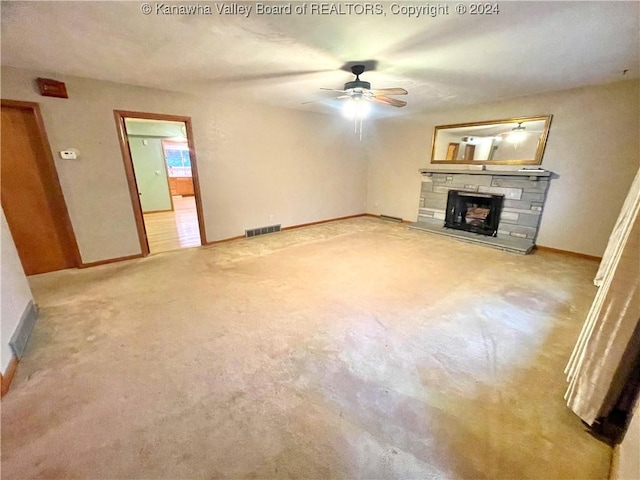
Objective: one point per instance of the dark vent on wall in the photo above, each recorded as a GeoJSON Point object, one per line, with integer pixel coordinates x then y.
{"type": "Point", "coordinates": [390, 218]}
{"type": "Point", "coordinates": [261, 230]}
{"type": "Point", "coordinates": [20, 337]}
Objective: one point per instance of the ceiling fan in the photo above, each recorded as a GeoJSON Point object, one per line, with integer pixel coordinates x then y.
{"type": "Point", "coordinates": [358, 90]}
{"type": "Point", "coordinates": [359, 94]}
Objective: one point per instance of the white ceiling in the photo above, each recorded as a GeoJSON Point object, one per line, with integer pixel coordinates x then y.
{"type": "Point", "coordinates": [443, 61]}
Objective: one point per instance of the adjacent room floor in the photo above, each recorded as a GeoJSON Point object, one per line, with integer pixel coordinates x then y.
{"type": "Point", "coordinates": [353, 349]}
{"type": "Point", "coordinates": [173, 230]}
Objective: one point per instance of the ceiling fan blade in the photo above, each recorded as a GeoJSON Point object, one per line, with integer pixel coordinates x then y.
{"type": "Point", "coordinates": [326, 99]}
{"type": "Point", "coordinates": [388, 101]}
{"type": "Point", "coordinates": [313, 101]}
{"type": "Point", "coordinates": [333, 90]}
{"type": "Point", "coordinates": [389, 91]}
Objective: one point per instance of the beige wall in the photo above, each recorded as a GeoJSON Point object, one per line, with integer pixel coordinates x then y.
{"type": "Point", "coordinates": [16, 294]}
{"type": "Point", "coordinates": [258, 165]}
{"type": "Point", "coordinates": [593, 148]}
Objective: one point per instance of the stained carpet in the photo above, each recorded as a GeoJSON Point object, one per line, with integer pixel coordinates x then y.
{"type": "Point", "coordinates": [353, 349]}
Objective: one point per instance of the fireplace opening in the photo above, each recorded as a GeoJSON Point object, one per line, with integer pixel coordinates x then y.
{"type": "Point", "coordinates": [473, 212]}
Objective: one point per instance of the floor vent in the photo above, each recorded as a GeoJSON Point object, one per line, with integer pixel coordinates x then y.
{"type": "Point", "coordinates": [261, 230]}
{"type": "Point", "coordinates": [390, 218]}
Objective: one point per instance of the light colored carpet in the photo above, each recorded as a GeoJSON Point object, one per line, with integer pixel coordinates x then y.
{"type": "Point", "coordinates": [354, 349]}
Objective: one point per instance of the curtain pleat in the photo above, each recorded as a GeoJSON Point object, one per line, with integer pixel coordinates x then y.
{"type": "Point", "coordinates": [612, 319]}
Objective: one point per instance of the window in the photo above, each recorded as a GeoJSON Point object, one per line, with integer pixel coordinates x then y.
{"type": "Point", "coordinates": [178, 159]}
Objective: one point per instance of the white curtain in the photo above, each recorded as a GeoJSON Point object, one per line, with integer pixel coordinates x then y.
{"type": "Point", "coordinates": [612, 319]}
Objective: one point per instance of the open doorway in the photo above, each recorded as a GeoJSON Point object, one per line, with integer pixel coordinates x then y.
{"type": "Point", "coordinates": [160, 163]}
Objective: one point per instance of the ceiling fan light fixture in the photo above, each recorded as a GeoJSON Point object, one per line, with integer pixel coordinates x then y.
{"type": "Point", "coordinates": [356, 108]}
{"type": "Point", "coordinates": [359, 96]}
{"type": "Point", "coordinates": [517, 134]}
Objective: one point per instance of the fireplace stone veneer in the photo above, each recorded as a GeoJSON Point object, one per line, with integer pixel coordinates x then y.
{"type": "Point", "coordinates": [524, 198]}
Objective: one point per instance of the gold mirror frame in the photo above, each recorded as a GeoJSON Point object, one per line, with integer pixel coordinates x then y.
{"type": "Point", "coordinates": [531, 132]}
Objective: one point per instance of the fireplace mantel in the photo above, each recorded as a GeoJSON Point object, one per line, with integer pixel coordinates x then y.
{"type": "Point", "coordinates": [532, 174]}
{"type": "Point", "coordinates": [524, 193]}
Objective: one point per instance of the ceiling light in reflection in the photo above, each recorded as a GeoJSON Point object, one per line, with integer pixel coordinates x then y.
{"type": "Point", "coordinates": [517, 134]}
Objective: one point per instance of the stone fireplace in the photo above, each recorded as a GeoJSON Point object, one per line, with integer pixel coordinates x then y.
{"type": "Point", "coordinates": [497, 208]}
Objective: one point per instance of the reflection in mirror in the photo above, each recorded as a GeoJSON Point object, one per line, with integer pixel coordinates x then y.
{"type": "Point", "coordinates": [519, 141]}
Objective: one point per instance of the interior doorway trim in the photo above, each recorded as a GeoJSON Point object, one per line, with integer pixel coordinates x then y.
{"type": "Point", "coordinates": [120, 116]}
{"type": "Point", "coordinates": [59, 207]}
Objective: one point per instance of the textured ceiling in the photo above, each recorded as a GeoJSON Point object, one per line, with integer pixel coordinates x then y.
{"type": "Point", "coordinates": [443, 61]}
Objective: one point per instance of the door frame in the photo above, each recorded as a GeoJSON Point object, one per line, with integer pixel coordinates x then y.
{"type": "Point", "coordinates": [123, 138]}
{"type": "Point", "coordinates": [59, 205]}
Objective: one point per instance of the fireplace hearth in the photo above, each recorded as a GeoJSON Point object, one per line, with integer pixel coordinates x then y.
{"type": "Point", "coordinates": [473, 212]}
{"type": "Point", "coordinates": [511, 226]}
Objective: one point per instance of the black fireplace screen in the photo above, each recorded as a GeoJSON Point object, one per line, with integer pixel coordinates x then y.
{"type": "Point", "coordinates": [473, 212]}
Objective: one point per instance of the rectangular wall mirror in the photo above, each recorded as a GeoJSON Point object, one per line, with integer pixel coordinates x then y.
{"type": "Point", "coordinates": [516, 141]}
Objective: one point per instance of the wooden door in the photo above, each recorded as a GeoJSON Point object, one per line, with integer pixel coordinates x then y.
{"type": "Point", "coordinates": [31, 195]}
{"type": "Point", "coordinates": [452, 151]}
{"type": "Point", "coordinates": [469, 152]}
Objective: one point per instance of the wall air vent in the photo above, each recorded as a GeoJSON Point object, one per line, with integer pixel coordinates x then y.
{"type": "Point", "coordinates": [390, 218]}
{"type": "Point", "coordinates": [261, 230]}
{"type": "Point", "coordinates": [20, 337]}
